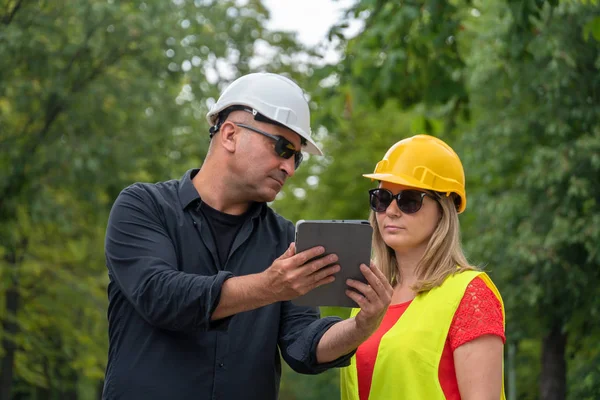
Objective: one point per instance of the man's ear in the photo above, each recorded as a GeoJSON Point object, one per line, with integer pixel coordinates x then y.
{"type": "Point", "coordinates": [228, 136]}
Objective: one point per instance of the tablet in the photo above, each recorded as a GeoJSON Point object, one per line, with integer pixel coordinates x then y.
{"type": "Point", "coordinates": [351, 241]}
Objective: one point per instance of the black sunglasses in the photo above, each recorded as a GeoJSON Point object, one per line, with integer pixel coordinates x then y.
{"type": "Point", "coordinates": [283, 147]}
{"type": "Point", "coordinates": [408, 201]}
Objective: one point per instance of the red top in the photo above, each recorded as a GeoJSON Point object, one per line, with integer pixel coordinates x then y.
{"type": "Point", "coordinates": [479, 313]}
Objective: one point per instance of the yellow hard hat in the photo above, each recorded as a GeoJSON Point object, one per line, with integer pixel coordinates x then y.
{"type": "Point", "coordinates": [423, 162]}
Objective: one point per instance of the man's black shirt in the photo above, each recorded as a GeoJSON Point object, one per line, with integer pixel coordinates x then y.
{"type": "Point", "coordinates": [223, 226]}
{"type": "Point", "coordinates": [165, 283]}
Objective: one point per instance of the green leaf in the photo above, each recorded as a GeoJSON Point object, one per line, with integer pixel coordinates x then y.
{"type": "Point", "coordinates": [592, 28]}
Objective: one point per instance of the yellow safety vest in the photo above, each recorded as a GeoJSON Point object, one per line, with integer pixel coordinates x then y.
{"type": "Point", "coordinates": [409, 353]}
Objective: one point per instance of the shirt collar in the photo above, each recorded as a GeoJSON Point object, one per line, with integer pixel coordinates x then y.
{"type": "Point", "coordinates": [187, 192]}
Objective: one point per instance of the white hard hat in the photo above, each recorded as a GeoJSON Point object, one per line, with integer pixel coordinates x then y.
{"type": "Point", "coordinates": [273, 96]}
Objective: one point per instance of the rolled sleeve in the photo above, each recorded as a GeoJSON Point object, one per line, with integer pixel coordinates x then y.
{"type": "Point", "coordinates": [301, 332]}
{"type": "Point", "coordinates": [142, 261]}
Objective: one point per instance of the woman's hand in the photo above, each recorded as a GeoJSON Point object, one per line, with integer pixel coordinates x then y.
{"type": "Point", "coordinates": [372, 298]}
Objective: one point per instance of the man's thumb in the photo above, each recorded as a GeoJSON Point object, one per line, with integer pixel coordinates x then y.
{"type": "Point", "coordinates": [291, 250]}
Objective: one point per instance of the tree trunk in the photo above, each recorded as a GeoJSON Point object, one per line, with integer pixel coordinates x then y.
{"type": "Point", "coordinates": [71, 392]}
{"type": "Point", "coordinates": [10, 328]}
{"type": "Point", "coordinates": [554, 368]}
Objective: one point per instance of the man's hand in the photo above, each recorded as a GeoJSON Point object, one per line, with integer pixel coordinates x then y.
{"type": "Point", "coordinates": [288, 277]}
{"type": "Point", "coordinates": [291, 275]}
{"type": "Point", "coordinates": [372, 298]}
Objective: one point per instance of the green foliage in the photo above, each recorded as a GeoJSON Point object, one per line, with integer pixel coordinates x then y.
{"type": "Point", "coordinates": [528, 369]}
{"type": "Point", "coordinates": [408, 51]}
{"type": "Point", "coordinates": [95, 95]}
{"type": "Point", "coordinates": [584, 367]}
{"type": "Point", "coordinates": [541, 121]}
{"type": "Point", "coordinates": [309, 387]}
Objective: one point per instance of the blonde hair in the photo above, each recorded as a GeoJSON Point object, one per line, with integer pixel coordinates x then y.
{"type": "Point", "coordinates": [443, 256]}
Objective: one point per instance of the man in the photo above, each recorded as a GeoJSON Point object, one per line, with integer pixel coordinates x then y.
{"type": "Point", "coordinates": [202, 271]}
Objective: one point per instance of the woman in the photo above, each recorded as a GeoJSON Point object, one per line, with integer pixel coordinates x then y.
{"type": "Point", "coordinates": [443, 335]}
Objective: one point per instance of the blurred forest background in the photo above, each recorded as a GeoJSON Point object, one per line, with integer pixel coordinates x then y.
{"type": "Point", "coordinates": [98, 94]}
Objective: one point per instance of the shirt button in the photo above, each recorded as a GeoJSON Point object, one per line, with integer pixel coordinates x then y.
{"type": "Point", "coordinates": [221, 365]}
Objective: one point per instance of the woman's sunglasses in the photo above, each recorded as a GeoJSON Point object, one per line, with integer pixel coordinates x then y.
{"type": "Point", "coordinates": [283, 147]}
{"type": "Point", "coordinates": [408, 201]}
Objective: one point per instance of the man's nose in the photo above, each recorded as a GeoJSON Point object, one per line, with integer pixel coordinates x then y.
{"type": "Point", "coordinates": [288, 166]}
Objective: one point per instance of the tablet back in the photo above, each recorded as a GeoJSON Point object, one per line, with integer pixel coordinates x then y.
{"type": "Point", "coordinates": [351, 241]}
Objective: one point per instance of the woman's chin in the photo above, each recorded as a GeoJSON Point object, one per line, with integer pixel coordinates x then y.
{"type": "Point", "coordinates": [398, 243]}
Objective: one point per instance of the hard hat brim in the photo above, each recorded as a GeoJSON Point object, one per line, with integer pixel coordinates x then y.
{"type": "Point", "coordinates": [310, 147]}
{"type": "Point", "coordinates": [399, 180]}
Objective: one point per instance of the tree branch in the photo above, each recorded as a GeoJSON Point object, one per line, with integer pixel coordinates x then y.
{"type": "Point", "coordinates": [17, 181]}
{"type": "Point", "coordinates": [6, 19]}
{"type": "Point", "coordinates": [54, 108]}
{"type": "Point", "coordinates": [84, 45]}
{"type": "Point", "coordinates": [112, 58]}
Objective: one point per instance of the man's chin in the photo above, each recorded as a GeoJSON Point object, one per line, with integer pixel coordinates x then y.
{"type": "Point", "coordinates": [268, 195]}
{"type": "Point", "coordinates": [269, 199]}
{"type": "Point", "coordinates": [272, 189]}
